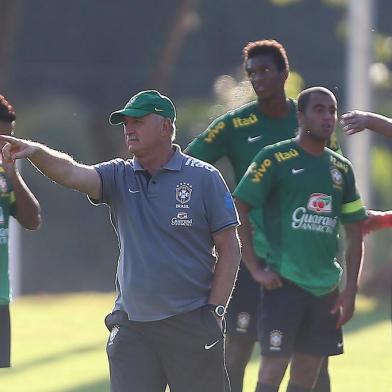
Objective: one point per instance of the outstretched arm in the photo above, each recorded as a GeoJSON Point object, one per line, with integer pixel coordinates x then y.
{"type": "Point", "coordinates": [56, 165]}
{"type": "Point", "coordinates": [356, 121]}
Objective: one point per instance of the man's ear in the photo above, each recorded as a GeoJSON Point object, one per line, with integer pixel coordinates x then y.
{"type": "Point", "coordinates": [166, 126]}
{"type": "Point", "coordinates": [300, 119]}
{"type": "Point", "coordinates": [285, 75]}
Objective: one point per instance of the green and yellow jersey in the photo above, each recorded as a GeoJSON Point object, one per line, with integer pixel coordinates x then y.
{"type": "Point", "coordinates": [7, 208]}
{"type": "Point", "coordinates": [303, 198]}
{"type": "Point", "coordinates": [239, 135]}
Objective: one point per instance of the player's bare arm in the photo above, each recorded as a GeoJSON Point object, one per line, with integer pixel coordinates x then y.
{"type": "Point", "coordinates": [265, 276]}
{"type": "Point", "coordinates": [229, 256]}
{"type": "Point", "coordinates": [28, 210]}
{"type": "Point", "coordinates": [356, 121]}
{"type": "Point", "coordinates": [354, 255]}
{"type": "Point", "coordinates": [56, 165]}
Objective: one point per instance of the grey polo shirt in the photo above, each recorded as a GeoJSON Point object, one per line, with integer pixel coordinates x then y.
{"type": "Point", "coordinates": [164, 226]}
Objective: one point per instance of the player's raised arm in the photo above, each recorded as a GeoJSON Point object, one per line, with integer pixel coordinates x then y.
{"type": "Point", "coordinates": [356, 121]}
{"type": "Point", "coordinates": [56, 165]}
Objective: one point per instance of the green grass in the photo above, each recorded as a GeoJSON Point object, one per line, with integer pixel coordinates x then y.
{"type": "Point", "coordinates": [59, 346]}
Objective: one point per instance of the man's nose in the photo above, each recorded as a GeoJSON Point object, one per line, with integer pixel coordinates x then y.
{"type": "Point", "coordinates": [128, 130]}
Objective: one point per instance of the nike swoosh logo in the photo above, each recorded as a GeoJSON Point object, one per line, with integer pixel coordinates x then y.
{"type": "Point", "coordinates": [159, 110]}
{"type": "Point", "coordinates": [131, 191]}
{"type": "Point", "coordinates": [297, 171]}
{"type": "Point", "coordinates": [254, 138]}
{"type": "Point", "coordinates": [208, 346]}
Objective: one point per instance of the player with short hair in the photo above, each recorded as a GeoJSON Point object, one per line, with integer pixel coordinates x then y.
{"type": "Point", "coordinates": [305, 191]}
{"type": "Point", "coordinates": [239, 135]}
{"type": "Point", "coordinates": [18, 201]}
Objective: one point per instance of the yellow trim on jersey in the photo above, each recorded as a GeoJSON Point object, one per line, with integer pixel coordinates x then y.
{"type": "Point", "coordinates": [12, 198]}
{"type": "Point", "coordinates": [353, 206]}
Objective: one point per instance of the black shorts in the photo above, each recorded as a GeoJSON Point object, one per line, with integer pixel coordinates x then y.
{"type": "Point", "coordinates": [293, 320]}
{"type": "Point", "coordinates": [243, 308]}
{"type": "Point", "coordinates": [185, 352]}
{"type": "Point", "coordinates": [5, 336]}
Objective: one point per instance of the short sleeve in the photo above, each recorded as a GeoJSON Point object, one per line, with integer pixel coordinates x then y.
{"type": "Point", "coordinates": [107, 172]}
{"type": "Point", "coordinates": [12, 201]}
{"type": "Point", "coordinates": [352, 206]}
{"type": "Point", "coordinates": [219, 204]}
{"type": "Point", "coordinates": [210, 145]}
{"type": "Point", "coordinates": [257, 181]}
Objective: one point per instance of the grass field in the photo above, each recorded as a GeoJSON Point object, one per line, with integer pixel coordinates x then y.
{"type": "Point", "coordinates": [59, 346]}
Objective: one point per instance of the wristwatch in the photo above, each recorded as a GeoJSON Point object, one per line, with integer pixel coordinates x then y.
{"type": "Point", "coordinates": [218, 310]}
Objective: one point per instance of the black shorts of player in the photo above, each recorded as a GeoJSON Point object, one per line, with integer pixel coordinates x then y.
{"type": "Point", "coordinates": [293, 320]}
{"type": "Point", "coordinates": [185, 352]}
{"type": "Point", "coordinates": [5, 336]}
{"type": "Point", "coordinates": [241, 314]}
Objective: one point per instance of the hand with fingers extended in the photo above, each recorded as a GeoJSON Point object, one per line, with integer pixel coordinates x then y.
{"type": "Point", "coordinates": [269, 279]}
{"type": "Point", "coordinates": [17, 148]}
{"type": "Point", "coordinates": [345, 305]}
{"type": "Point", "coordinates": [354, 121]}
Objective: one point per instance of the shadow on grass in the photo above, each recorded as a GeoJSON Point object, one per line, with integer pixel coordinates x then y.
{"type": "Point", "coordinates": [97, 386]}
{"type": "Point", "coordinates": [54, 357]}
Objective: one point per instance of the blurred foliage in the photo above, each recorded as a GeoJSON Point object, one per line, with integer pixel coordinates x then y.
{"type": "Point", "coordinates": [382, 174]}
{"type": "Point", "coordinates": [282, 3]}
{"type": "Point", "coordinates": [382, 47]}
{"type": "Point", "coordinates": [60, 122]}
{"type": "Point", "coordinates": [294, 85]}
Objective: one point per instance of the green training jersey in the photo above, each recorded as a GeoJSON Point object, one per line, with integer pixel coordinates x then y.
{"type": "Point", "coordinates": [7, 208]}
{"type": "Point", "coordinates": [303, 198]}
{"type": "Point", "coordinates": [239, 135]}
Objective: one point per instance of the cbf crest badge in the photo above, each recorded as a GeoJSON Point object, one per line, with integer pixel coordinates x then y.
{"type": "Point", "coordinates": [337, 177]}
{"type": "Point", "coordinates": [276, 337]}
{"type": "Point", "coordinates": [183, 194]}
{"type": "Point", "coordinates": [243, 321]}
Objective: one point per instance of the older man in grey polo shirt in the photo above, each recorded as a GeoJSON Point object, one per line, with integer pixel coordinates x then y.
{"type": "Point", "coordinates": [179, 251]}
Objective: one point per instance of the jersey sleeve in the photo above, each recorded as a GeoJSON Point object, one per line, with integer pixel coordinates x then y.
{"type": "Point", "coordinates": [352, 206]}
{"type": "Point", "coordinates": [107, 172]}
{"type": "Point", "coordinates": [258, 180]}
{"type": "Point", "coordinates": [219, 204]}
{"type": "Point", "coordinates": [12, 201]}
{"type": "Point", "coordinates": [211, 144]}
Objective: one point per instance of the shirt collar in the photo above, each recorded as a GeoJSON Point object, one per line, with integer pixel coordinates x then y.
{"type": "Point", "coordinates": [174, 163]}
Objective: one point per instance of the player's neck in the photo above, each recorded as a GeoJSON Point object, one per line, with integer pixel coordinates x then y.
{"type": "Point", "coordinates": [277, 106]}
{"type": "Point", "coordinates": [153, 161]}
{"type": "Point", "coordinates": [310, 145]}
